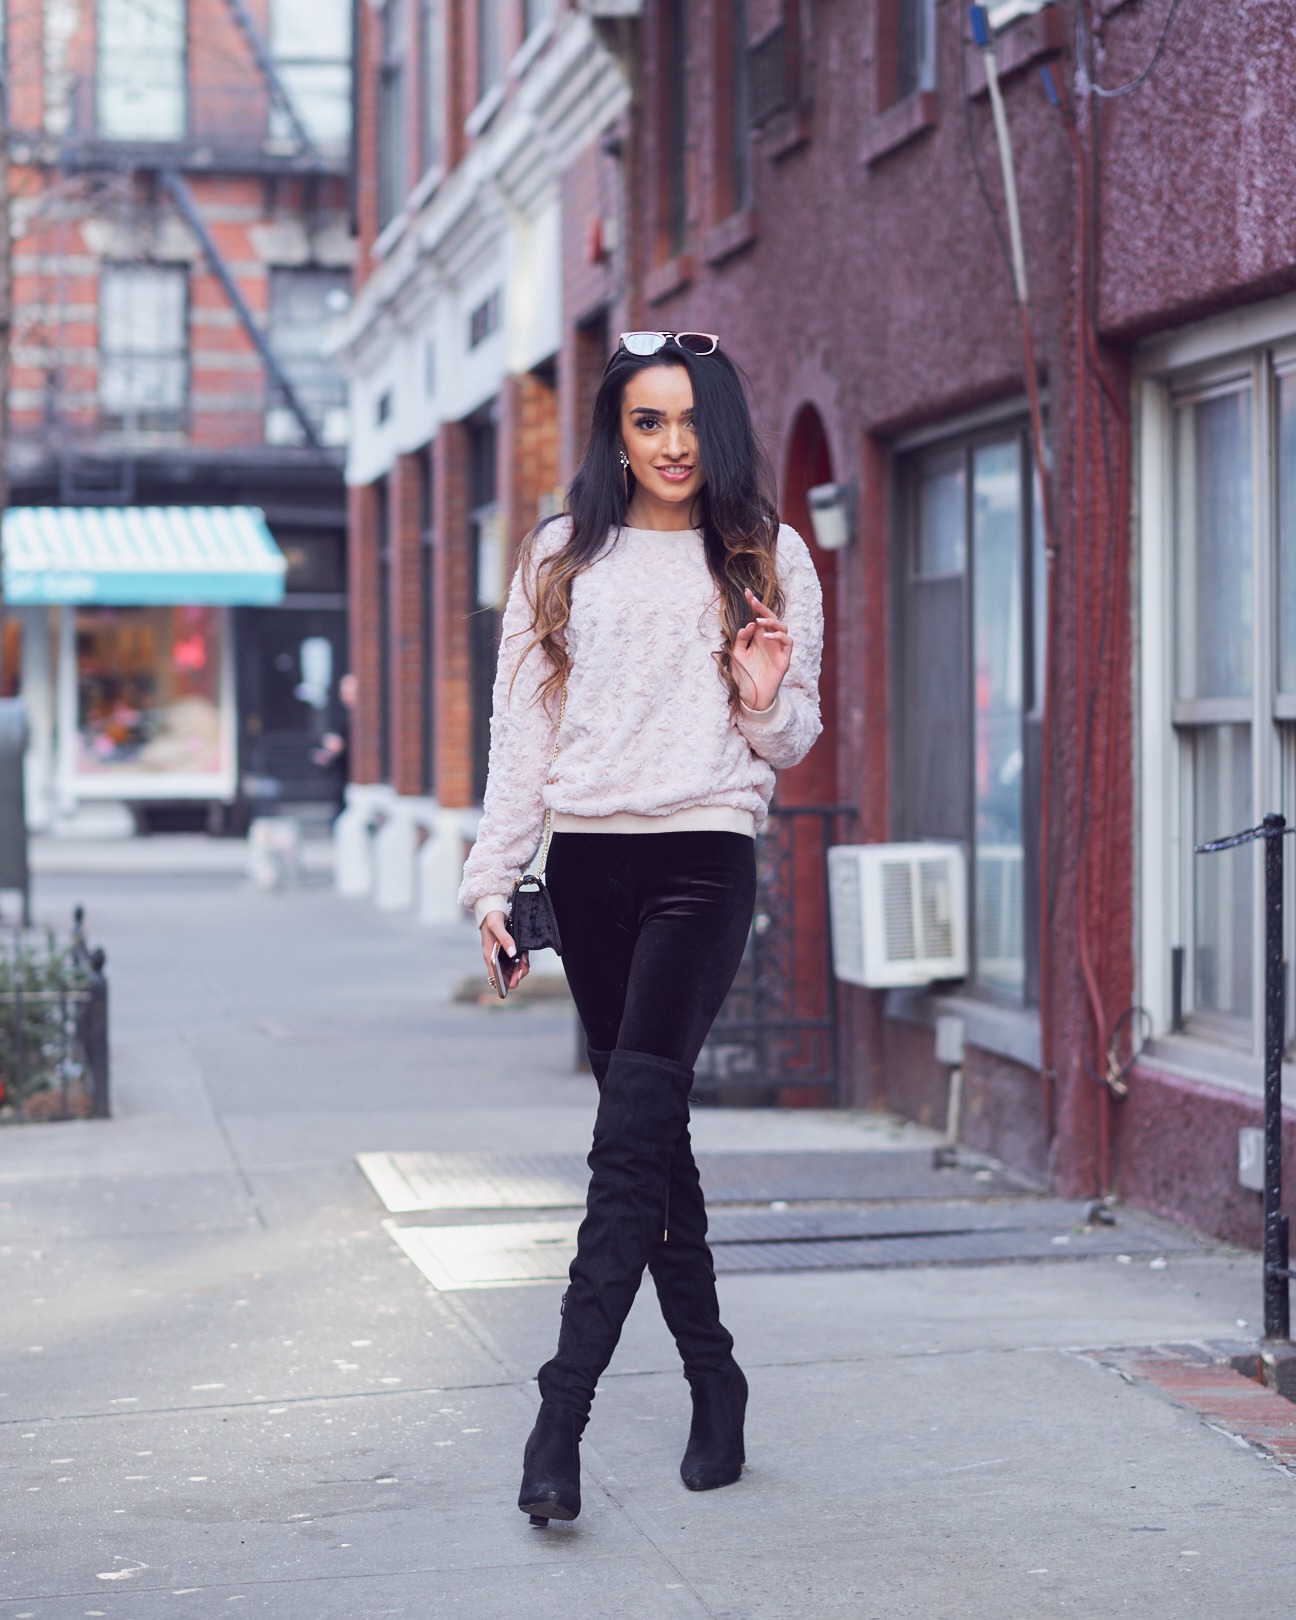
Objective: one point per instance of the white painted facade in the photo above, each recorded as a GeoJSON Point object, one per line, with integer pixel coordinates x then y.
{"type": "Point", "coordinates": [488, 229]}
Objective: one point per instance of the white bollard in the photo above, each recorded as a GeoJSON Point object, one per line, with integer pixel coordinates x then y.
{"type": "Point", "coordinates": [274, 852]}
{"type": "Point", "coordinates": [353, 836]}
{"type": "Point", "coordinates": [440, 867]}
{"type": "Point", "coordinates": [395, 846]}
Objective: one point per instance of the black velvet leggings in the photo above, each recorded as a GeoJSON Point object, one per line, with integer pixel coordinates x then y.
{"type": "Point", "coordinates": [653, 928]}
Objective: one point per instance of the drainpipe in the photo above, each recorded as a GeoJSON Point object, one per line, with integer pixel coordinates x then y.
{"type": "Point", "coordinates": [981, 34]}
{"type": "Point", "coordinates": [183, 198]}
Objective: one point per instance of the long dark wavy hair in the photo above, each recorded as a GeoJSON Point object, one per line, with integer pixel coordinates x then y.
{"type": "Point", "coordinates": [734, 508]}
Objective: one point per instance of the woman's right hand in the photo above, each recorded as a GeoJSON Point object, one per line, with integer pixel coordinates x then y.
{"type": "Point", "coordinates": [494, 931]}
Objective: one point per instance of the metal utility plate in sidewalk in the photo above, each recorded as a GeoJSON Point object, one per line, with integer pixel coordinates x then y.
{"type": "Point", "coordinates": [409, 1182]}
{"type": "Point", "coordinates": [502, 1255]}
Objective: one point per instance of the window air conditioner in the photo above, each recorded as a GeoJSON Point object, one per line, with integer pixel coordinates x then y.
{"type": "Point", "coordinates": [899, 913]}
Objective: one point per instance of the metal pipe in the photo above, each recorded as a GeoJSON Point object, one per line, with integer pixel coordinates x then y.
{"type": "Point", "coordinates": [1277, 1249]}
{"type": "Point", "coordinates": [184, 200]}
{"type": "Point", "coordinates": [1277, 1302]}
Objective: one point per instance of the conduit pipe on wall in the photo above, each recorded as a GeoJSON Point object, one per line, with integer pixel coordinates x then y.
{"type": "Point", "coordinates": [980, 24]}
{"type": "Point", "coordinates": [1111, 1075]}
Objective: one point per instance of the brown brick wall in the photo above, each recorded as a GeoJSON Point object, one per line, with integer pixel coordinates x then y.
{"type": "Point", "coordinates": [528, 440]}
{"type": "Point", "coordinates": [405, 483]}
{"type": "Point", "coordinates": [364, 508]}
{"type": "Point", "coordinates": [67, 223]}
{"type": "Point", "coordinates": [452, 684]}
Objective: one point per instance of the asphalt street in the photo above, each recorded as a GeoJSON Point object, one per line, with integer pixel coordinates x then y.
{"type": "Point", "coordinates": [232, 1383]}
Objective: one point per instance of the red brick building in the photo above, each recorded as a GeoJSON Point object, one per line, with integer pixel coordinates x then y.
{"type": "Point", "coordinates": [181, 243]}
{"type": "Point", "coordinates": [1076, 690]}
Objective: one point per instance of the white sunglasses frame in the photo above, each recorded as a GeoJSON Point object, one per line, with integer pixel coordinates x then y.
{"type": "Point", "coordinates": [668, 337]}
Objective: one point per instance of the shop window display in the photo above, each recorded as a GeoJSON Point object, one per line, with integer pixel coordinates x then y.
{"type": "Point", "coordinates": [148, 690]}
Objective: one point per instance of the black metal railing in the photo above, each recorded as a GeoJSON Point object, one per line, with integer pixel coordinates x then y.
{"type": "Point", "coordinates": [53, 1027]}
{"type": "Point", "coordinates": [777, 1030]}
{"type": "Point", "coordinates": [1277, 1232]}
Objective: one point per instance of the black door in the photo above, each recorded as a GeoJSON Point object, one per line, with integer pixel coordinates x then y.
{"type": "Point", "coordinates": [290, 660]}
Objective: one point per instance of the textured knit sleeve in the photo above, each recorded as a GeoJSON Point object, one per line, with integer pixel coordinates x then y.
{"type": "Point", "coordinates": [784, 733]}
{"type": "Point", "coordinates": [522, 731]}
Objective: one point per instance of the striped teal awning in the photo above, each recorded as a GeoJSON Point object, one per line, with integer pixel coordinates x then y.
{"type": "Point", "coordinates": [141, 556]}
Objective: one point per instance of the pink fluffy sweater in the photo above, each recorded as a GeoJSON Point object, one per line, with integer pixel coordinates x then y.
{"type": "Point", "coordinates": [648, 729]}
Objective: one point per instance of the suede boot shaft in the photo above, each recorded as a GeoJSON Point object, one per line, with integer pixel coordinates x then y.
{"type": "Point", "coordinates": [643, 1108]}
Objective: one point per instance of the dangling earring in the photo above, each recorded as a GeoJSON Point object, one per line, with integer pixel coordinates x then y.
{"type": "Point", "coordinates": [625, 469]}
{"type": "Point", "coordinates": [625, 460]}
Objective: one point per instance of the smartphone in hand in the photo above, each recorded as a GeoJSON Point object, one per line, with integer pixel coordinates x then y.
{"type": "Point", "coordinates": [502, 966]}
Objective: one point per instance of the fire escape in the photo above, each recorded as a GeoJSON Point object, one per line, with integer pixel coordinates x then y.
{"type": "Point", "coordinates": [252, 127]}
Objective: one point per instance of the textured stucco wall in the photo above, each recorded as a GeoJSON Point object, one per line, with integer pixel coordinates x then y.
{"type": "Point", "coordinates": [878, 293]}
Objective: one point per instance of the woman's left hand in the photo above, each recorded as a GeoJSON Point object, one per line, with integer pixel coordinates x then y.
{"type": "Point", "coordinates": [761, 655]}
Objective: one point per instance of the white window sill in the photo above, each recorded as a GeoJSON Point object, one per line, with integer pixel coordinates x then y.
{"type": "Point", "coordinates": [530, 48]}
{"type": "Point", "coordinates": [1186, 1057]}
{"type": "Point", "coordinates": [426, 188]}
{"type": "Point", "coordinates": [389, 236]}
{"type": "Point", "coordinates": [485, 110]}
{"type": "Point", "coordinates": [1010, 1032]}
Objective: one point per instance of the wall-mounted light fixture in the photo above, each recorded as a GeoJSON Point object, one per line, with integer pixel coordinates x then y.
{"type": "Point", "coordinates": [832, 515]}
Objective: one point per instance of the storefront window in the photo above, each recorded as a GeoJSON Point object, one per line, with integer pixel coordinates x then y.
{"type": "Point", "coordinates": [148, 691]}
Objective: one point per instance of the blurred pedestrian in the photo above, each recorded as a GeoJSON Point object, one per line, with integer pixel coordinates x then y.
{"type": "Point", "coordinates": [333, 751]}
{"type": "Point", "coordinates": [659, 659]}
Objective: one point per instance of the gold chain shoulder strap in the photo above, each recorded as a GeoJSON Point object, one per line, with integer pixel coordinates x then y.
{"type": "Point", "coordinates": [548, 826]}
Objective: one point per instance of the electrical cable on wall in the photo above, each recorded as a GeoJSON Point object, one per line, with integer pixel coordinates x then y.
{"type": "Point", "coordinates": [1142, 78]}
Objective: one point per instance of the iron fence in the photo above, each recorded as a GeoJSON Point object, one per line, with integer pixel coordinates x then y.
{"type": "Point", "coordinates": [53, 1027]}
{"type": "Point", "coordinates": [777, 1031]}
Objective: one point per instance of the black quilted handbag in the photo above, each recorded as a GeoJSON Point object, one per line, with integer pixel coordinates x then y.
{"type": "Point", "coordinates": [531, 920]}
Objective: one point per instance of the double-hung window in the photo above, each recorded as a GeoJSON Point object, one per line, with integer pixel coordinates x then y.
{"type": "Point", "coordinates": [143, 347]}
{"type": "Point", "coordinates": [310, 42]}
{"type": "Point", "coordinates": [393, 169]}
{"type": "Point", "coordinates": [141, 70]}
{"type": "Point", "coordinates": [303, 300]}
{"type": "Point", "coordinates": [1217, 499]}
{"type": "Point", "coordinates": [433, 124]}
{"type": "Point", "coordinates": [970, 684]}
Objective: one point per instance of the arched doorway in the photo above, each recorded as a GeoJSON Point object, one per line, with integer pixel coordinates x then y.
{"type": "Point", "coordinates": [776, 1037]}
{"type": "Point", "coordinates": [814, 781]}
{"type": "Point", "coordinates": [809, 462]}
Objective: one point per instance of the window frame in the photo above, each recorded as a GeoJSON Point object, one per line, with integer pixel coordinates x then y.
{"type": "Point", "coordinates": [142, 138]}
{"type": "Point", "coordinates": [672, 130]}
{"type": "Point", "coordinates": [434, 127]}
{"type": "Point", "coordinates": [889, 88]}
{"type": "Point", "coordinates": [393, 112]}
{"type": "Point", "coordinates": [1256, 350]}
{"type": "Point", "coordinates": [123, 422]}
{"type": "Point", "coordinates": [491, 52]}
{"type": "Point", "coordinates": [315, 377]}
{"type": "Point", "coordinates": [960, 443]}
{"type": "Point", "coordinates": [734, 177]}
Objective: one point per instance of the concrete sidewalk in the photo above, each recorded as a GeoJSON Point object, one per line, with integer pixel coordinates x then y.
{"type": "Point", "coordinates": [227, 1389]}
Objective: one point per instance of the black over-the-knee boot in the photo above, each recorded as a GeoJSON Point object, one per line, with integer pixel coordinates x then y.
{"type": "Point", "coordinates": [643, 1107]}
{"type": "Point", "coordinates": [684, 1273]}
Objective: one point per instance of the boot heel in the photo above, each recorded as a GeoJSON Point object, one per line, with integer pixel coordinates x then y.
{"type": "Point", "coordinates": [716, 1454]}
{"type": "Point", "coordinates": [551, 1469]}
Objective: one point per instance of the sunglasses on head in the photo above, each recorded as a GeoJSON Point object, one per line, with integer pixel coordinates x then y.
{"type": "Point", "coordinates": [644, 344]}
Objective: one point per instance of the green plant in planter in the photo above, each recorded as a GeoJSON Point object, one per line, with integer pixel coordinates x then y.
{"type": "Point", "coordinates": [41, 994]}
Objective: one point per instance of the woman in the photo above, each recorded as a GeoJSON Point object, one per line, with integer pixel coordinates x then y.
{"type": "Point", "coordinates": [659, 659]}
